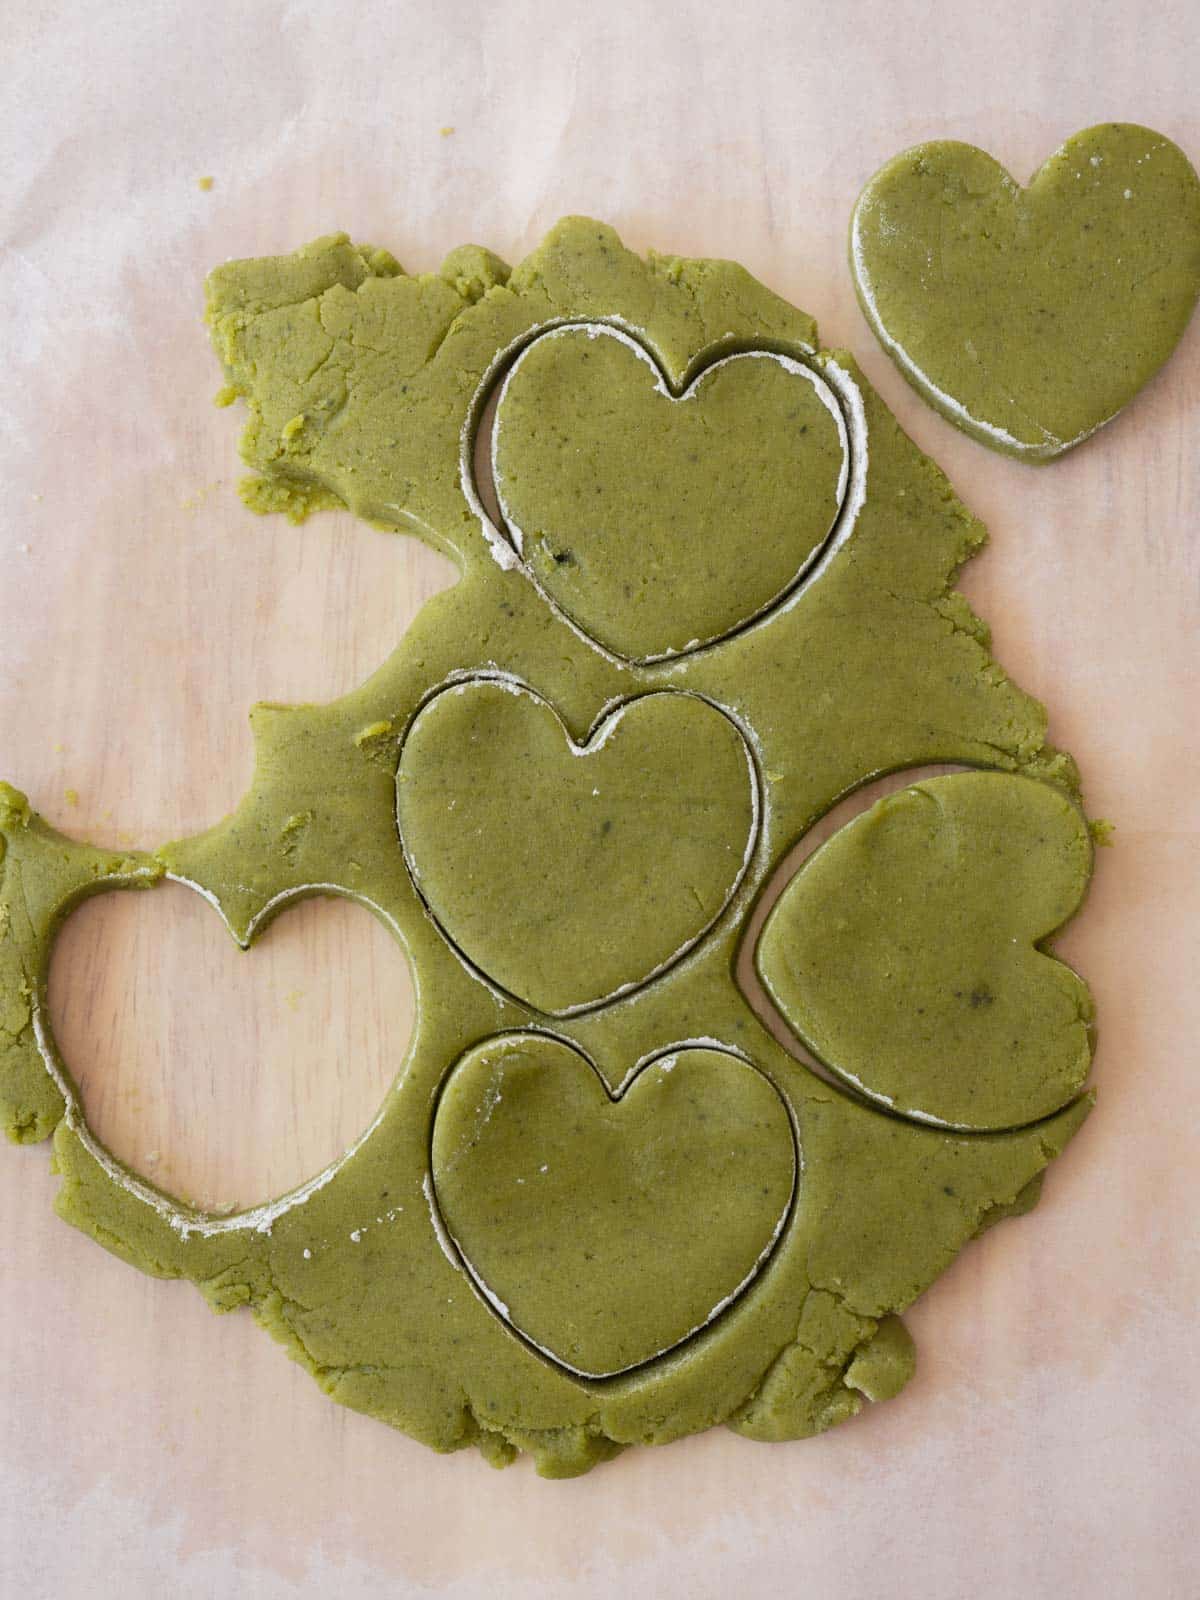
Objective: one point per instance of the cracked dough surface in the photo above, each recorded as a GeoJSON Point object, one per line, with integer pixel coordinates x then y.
{"type": "Point", "coordinates": [364, 387]}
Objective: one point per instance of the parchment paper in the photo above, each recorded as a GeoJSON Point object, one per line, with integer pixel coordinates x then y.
{"type": "Point", "coordinates": [1048, 1445]}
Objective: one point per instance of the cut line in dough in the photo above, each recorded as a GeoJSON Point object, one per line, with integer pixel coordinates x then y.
{"type": "Point", "coordinates": [662, 1054]}
{"type": "Point", "coordinates": [504, 538]}
{"type": "Point", "coordinates": [601, 730]}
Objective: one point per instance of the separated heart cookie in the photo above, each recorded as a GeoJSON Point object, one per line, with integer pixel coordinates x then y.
{"type": "Point", "coordinates": [1030, 317]}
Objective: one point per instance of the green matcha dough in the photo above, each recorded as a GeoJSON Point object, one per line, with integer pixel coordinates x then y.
{"type": "Point", "coordinates": [594, 462]}
{"type": "Point", "coordinates": [905, 951]}
{"type": "Point", "coordinates": [551, 843]}
{"type": "Point", "coordinates": [1030, 317]}
{"type": "Point", "coordinates": [601, 1204]}
{"type": "Point", "coordinates": [610, 1227]}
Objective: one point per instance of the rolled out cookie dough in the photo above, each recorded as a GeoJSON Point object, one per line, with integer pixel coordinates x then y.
{"type": "Point", "coordinates": [1030, 317]}
{"type": "Point", "coordinates": [729, 1235]}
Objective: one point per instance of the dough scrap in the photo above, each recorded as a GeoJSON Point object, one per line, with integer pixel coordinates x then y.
{"type": "Point", "coordinates": [365, 387]}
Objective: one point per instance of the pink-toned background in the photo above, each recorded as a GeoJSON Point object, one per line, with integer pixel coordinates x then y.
{"type": "Point", "coordinates": [1048, 1445]}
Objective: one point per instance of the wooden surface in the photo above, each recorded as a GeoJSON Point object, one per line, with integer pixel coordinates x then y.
{"type": "Point", "coordinates": [1048, 1444]}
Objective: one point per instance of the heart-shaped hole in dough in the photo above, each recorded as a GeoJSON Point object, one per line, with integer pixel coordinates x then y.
{"type": "Point", "coordinates": [236, 1100]}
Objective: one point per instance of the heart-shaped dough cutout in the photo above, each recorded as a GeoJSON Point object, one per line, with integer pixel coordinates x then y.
{"type": "Point", "coordinates": [607, 1230]}
{"type": "Point", "coordinates": [659, 522]}
{"type": "Point", "coordinates": [905, 951]}
{"type": "Point", "coordinates": [568, 874]}
{"type": "Point", "coordinates": [1029, 317]}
